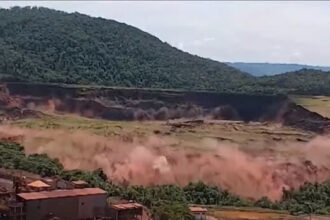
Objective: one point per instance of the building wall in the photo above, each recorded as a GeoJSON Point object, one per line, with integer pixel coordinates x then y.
{"type": "Point", "coordinates": [66, 208]}
{"type": "Point", "coordinates": [71, 208]}
{"type": "Point", "coordinates": [199, 216]}
{"type": "Point", "coordinates": [91, 205]}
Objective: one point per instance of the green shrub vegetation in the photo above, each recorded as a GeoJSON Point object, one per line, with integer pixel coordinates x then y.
{"type": "Point", "coordinates": [169, 201]}
{"type": "Point", "coordinates": [12, 156]}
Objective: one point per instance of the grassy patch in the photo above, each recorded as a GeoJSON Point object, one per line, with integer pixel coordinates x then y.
{"type": "Point", "coordinates": [319, 104]}
{"type": "Point", "coordinates": [96, 126]}
{"type": "Point", "coordinates": [225, 132]}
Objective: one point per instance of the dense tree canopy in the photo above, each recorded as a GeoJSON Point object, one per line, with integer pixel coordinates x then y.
{"type": "Point", "coordinates": [305, 81]}
{"type": "Point", "coordinates": [44, 45]}
{"type": "Point", "coordinates": [302, 82]}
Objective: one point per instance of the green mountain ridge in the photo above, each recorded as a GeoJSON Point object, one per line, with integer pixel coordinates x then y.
{"type": "Point", "coordinates": [44, 45]}
{"type": "Point", "coordinates": [48, 46]}
{"type": "Point", "coordinates": [301, 82]}
{"type": "Point", "coordinates": [304, 82]}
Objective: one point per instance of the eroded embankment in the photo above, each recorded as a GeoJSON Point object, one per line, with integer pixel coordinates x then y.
{"type": "Point", "coordinates": [144, 104]}
{"type": "Point", "coordinates": [151, 160]}
{"type": "Point", "coordinates": [119, 103]}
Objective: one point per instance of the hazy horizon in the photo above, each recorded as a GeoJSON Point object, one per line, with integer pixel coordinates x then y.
{"type": "Point", "coordinates": [256, 32]}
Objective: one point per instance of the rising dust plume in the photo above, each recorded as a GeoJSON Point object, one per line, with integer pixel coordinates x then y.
{"type": "Point", "coordinates": [150, 161]}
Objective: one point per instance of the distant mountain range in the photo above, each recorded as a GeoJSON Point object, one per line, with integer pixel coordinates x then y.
{"type": "Point", "coordinates": [269, 69]}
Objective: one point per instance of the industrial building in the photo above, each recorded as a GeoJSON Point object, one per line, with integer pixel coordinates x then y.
{"type": "Point", "coordinates": [24, 198]}
{"type": "Point", "coordinates": [73, 204]}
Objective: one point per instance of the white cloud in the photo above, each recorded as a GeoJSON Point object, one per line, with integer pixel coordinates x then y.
{"type": "Point", "coordinates": [226, 31]}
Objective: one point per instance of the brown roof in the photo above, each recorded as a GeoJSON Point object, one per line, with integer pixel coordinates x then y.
{"type": "Point", "coordinates": [60, 193]}
{"type": "Point", "coordinates": [197, 209]}
{"type": "Point", "coordinates": [127, 206]}
{"type": "Point", "coordinates": [38, 184]}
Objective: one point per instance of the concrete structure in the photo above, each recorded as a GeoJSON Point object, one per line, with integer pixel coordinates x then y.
{"type": "Point", "coordinates": [126, 211]}
{"type": "Point", "coordinates": [198, 212]}
{"type": "Point", "coordinates": [71, 204]}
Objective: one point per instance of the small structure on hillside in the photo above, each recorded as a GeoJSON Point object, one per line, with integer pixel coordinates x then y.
{"type": "Point", "coordinates": [38, 185]}
{"type": "Point", "coordinates": [50, 181]}
{"type": "Point", "coordinates": [198, 212]}
{"type": "Point", "coordinates": [126, 211]}
{"type": "Point", "coordinates": [73, 204]}
{"type": "Point", "coordinates": [79, 184]}
{"type": "Point", "coordinates": [58, 183]}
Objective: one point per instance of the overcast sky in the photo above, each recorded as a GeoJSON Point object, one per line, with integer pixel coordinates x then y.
{"type": "Point", "coordinates": [285, 32]}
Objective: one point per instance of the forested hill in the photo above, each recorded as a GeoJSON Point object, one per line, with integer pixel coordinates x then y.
{"type": "Point", "coordinates": [267, 69]}
{"type": "Point", "coordinates": [304, 82]}
{"type": "Point", "coordinates": [44, 45]}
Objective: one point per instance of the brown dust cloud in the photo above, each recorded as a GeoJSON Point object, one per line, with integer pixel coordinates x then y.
{"type": "Point", "coordinates": [152, 161]}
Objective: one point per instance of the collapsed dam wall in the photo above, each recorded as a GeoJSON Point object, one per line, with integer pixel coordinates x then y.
{"type": "Point", "coordinates": [150, 104]}
{"type": "Point", "coordinates": [249, 107]}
